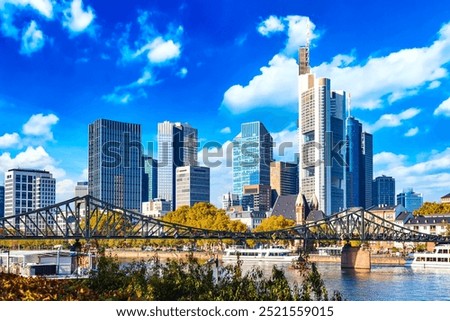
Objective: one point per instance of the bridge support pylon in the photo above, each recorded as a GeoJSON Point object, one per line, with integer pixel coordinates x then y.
{"type": "Point", "coordinates": [355, 258]}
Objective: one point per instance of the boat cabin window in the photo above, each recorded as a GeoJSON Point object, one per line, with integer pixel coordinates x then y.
{"type": "Point", "coordinates": [443, 251]}
{"type": "Point", "coordinates": [431, 259]}
{"type": "Point", "coordinates": [442, 259]}
{"type": "Point", "coordinates": [420, 259]}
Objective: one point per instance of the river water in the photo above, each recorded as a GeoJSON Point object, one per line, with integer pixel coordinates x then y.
{"type": "Point", "coordinates": [381, 283]}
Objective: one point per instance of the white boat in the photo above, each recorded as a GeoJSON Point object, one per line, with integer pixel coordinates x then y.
{"type": "Point", "coordinates": [438, 259]}
{"type": "Point", "coordinates": [270, 254]}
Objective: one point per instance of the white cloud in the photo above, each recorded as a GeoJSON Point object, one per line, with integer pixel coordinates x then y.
{"type": "Point", "coordinates": [392, 77]}
{"type": "Point", "coordinates": [44, 7]}
{"type": "Point", "coordinates": [276, 86]}
{"type": "Point", "coordinates": [219, 160]}
{"type": "Point", "coordinates": [9, 140]}
{"type": "Point", "coordinates": [182, 73]}
{"type": "Point", "coordinates": [286, 144]}
{"type": "Point", "coordinates": [392, 120]}
{"type": "Point", "coordinates": [299, 29]}
{"type": "Point", "coordinates": [36, 158]}
{"type": "Point", "coordinates": [271, 25]}
{"type": "Point", "coordinates": [225, 130]}
{"type": "Point", "coordinates": [434, 84]}
{"type": "Point", "coordinates": [443, 108]}
{"type": "Point", "coordinates": [76, 19]}
{"type": "Point", "coordinates": [162, 51]}
{"type": "Point", "coordinates": [40, 125]}
{"type": "Point", "coordinates": [65, 189]}
{"type": "Point", "coordinates": [429, 177]}
{"type": "Point", "coordinates": [412, 132]}
{"type": "Point", "coordinates": [32, 39]}
{"type": "Point", "coordinates": [124, 95]}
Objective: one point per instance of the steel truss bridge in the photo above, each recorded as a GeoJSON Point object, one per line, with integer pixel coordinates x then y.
{"type": "Point", "coordinates": [90, 218]}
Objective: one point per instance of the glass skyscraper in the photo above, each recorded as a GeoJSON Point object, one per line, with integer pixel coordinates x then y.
{"type": "Point", "coordinates": [177, 146]}
{"type": "Point", "coordinates": [410, 199]}
{"type": "Point", "coordinates": [321, 135]}
{"type": "Point", "coordinates": [383, 191]}
{"type": "Point", "coordinates": [252, 155]}
{"type": "Point", "coordinates": [115, 173]}
{"type": "Point", "coordinates": [149, 179]}
{"type": "Point", "coordinates": [359, 158]}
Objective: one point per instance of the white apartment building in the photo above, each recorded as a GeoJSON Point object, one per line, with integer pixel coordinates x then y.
{"type": "Point", "coordinates": [27, 190]}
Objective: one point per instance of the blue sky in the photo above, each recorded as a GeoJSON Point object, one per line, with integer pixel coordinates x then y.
{"type": "Point", "coordinates": [216, 64]}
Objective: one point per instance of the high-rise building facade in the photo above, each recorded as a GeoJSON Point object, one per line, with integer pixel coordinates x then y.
{"type": "Point", "coordinates": [367, 154]}
{"type": "Point", "coordinates": [284, 178]}
{"type": "Point", "coordinates": [410, 199]}
{"type": "Point", "coordinates": [252, 155]}
{"type": "Point", "coordinates": [192, 186]}
{"type": "Point", "coordinates": [321, 138]}
{"type": "Point", "coordinates": [115, 173]}
{"type": "Point", "coordinates": [177, 146]}
{"type": "Point", "coordinates": [2, 201]}
{"type": "Point", "coordinates": [149, 179]}
{"type": "Point", "coordinates": [383, 190]}
{"type": "Point", "coordinates": [81, 189]}
{"type": "Point", "coordinates": [257, 197]}
{"type": "Point", "coordinates": [359, 159]}
{"type": "Point", "coordinates": [27, 190]}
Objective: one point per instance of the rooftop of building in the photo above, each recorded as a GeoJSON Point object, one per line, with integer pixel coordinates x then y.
{"type": "Point", "coordinates": [446, 196]}
{"type": "Point", "coordinates": [285, 206]}
{"type": "Point", "coordinates": [430, 219]}
{"type": "Point", "coordinates": [29, 170]}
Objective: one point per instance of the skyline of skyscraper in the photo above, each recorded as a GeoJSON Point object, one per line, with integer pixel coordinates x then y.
{"type": "Point", "coordinates": [114, 168]}
{"type": "Point", "coordinates": [359, 170]}
{"type": "Point", "coordinates": [410, 199]}
{"type": "Point", "coordinates": [252, 155]}
{"type": "Point", "coordinates": [177, 146]}
{"type": "Point", "coordinates": [321, 135]}
{"type": "Point", "coordinates": [383, 191]}
{"type": "Point", "coordinates": [193, 185]}
{"type": "Point", "coordinates": [149, 178]}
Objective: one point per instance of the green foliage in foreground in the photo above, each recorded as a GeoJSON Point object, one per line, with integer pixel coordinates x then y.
{"type": "Point", "coordinates": [187, 280]}
{"type": "Point", "coordinates": [169, 281]}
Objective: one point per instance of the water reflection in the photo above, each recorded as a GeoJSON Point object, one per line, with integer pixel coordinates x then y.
{"type": "Point", "coordinates": [381, 283]}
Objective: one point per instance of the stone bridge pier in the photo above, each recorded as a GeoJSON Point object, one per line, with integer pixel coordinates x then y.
{"type": "Point", "coordinates": [356, 258]}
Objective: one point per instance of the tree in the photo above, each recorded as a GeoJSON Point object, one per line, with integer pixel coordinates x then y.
{"type": "Point", "coordinates": [274, 222]}
{"type": "Point", "coordinates": [432, 208]}
{"type": "Point", "coordinates": [205, 216]}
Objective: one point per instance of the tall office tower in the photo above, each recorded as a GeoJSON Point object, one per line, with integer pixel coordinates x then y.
{"type": "Point", "coordinates": [321, 136]}
{"type": "Point", "coordinates": [359, 157]}
{"type": "Point", "coordinates": [383, 190]}
{"type": "Point", "coordinates": [193, 185]}
{"type": "Point", "coordinates": [283, 179]}
{"type": "Point", "coordinates": [257, 197]}
{"type": "Point", "coordinates": [27, 190]}
{"type": "Point", "coordinates": [81, 189]}
{"type": "Point", "coordinates": [177, 146]}
{"type": "Point", "coordinates": [252, 155]}
{"type": "Point", "coordinates": [367, 154]}
{"type": "Point", "coordinates": [149, 179]}
{"type": "Point", "coordinates": [2, 201]}
{"type": "Point", "coordinates": [410, 199]}
{"type": "Point", "coordinates": [355, 192]}
{"type": "Point", "coordinates": [115, 174]}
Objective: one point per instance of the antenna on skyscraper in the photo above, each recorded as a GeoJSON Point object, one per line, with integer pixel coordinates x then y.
{"type": "Point", "coordinates": [349, 104]}
{"type": "Point", "coordinates": [308, 37]}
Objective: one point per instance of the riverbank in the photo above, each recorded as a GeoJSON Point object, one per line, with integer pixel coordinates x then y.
{"type": "Point", "coordinates": [138, 255]}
